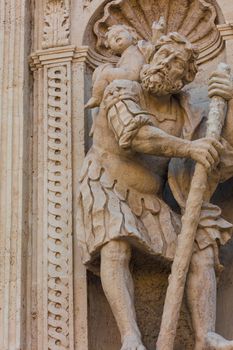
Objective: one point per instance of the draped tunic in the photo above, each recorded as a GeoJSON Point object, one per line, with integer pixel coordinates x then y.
{"type": "Point", "coordinates": [121, 192]}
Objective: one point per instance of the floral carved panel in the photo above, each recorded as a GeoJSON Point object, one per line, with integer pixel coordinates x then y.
{"type": "Point", "coordinates": [56, 24]}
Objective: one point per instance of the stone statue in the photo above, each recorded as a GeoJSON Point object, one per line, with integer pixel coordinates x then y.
{"type": "Point", "coordinates": [122, 40]}
{"type": "Point", "coordinates": [121, 205]}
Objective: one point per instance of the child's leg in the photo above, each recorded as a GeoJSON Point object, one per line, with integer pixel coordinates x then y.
{"type": "Point", "coordinates": [97, 93]}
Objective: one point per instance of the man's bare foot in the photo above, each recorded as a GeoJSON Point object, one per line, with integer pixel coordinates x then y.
{"type": "Point", "coordinates": [216, 342]}
{"type": "Point", "coordinates": [132, 343]}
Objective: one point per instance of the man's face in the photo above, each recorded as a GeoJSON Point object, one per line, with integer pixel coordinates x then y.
{"type": "Point", "coordinates": [164, 75]}
{"type": "Point", "coordinates": [119, 39]}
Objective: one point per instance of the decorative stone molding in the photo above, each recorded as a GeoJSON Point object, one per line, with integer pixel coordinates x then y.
{"type": "Point", "coordinates": [59, 206]}
{"type": "Point", "coordinates": [56, 24]}
{"type": "Point", "coordinates": [51, 68]}
{"type": "Point", "coordinates": [41, 58]}
{"type": "Point", "coordinates": [87, 55]}
{"type": "Point", "coordinates": [55, 65]}
{"type": "Point", "coordinates": [71, 53]}
{"type": "Point", "coordinates": [52, 86]}
{"type": "Point", "coordinates": [226, 31]}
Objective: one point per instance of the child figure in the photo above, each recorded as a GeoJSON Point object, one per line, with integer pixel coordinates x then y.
{"type": "Point", "coordinates": [122, 40]}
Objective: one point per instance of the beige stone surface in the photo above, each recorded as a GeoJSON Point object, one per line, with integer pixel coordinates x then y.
{"type": "Point", "coordinates": [107, 75]}
{"type": "Point", "coordinates": [47, 299]}
{"type": "Point", "coordinates": [52, 303]}
{"type": "Point", "coordinates": [15, 169]}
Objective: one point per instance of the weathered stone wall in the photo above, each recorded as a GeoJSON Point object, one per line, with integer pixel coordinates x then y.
{"type": "Point", "coordinates": [47, 300]}
{"type": "Point", "coordinates": [15, 171]}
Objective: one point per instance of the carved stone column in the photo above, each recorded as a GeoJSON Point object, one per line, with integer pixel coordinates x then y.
{"type": "Point", "coordinates": [52, 282]}
{"type": "Point", "coordinates": [14, 170]}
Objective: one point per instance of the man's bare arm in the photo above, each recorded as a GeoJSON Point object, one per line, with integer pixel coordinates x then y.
{"type": "Point", "coordinates": [151, 140]}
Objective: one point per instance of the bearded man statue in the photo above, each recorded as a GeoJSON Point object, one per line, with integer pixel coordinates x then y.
{"type": "Point", "coordinates": [121, 204]}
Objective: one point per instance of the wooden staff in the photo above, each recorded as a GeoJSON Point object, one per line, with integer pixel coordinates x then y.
{"type": "Point", "coordinates": [190, 221]}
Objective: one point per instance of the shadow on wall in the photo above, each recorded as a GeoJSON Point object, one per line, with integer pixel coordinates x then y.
{"type": "Point", "coordinates": [150, 280]}
{"type": "Point", "coordinates": [224, 198]}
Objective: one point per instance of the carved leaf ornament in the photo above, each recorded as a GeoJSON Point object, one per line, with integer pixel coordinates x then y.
{"type": "Point", "coordinates": [196, 19]}
{"type": "Point", "coordinates": [56, 24]}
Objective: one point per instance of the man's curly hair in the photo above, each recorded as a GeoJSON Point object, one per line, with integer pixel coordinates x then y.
{"type": "Point", "coordinates": [192, 50]}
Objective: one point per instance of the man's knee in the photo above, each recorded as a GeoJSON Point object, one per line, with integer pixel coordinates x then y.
{"type": "Point", "coordinates": [202, 259]}
{"type": "Point", "coordinates": [116, 250]}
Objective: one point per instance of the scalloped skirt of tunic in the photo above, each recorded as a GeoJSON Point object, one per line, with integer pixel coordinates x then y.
{"type": "Point", "coordinates": [109, 210]}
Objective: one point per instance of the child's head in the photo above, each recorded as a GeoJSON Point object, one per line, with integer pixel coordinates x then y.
{"type": "Point", "coordinates": [119, 37]}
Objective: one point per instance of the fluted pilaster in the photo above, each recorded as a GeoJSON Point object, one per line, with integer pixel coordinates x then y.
{"type": "Point", "coordinates": [14, 170]}
{"type": "Point", "coordinates": [52, 280]}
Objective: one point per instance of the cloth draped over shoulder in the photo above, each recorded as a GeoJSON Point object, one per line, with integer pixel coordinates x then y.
{"type": "Point", "coordinates": [109, 208]}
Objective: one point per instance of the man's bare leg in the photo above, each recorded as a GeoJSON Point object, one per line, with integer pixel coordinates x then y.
{"type": "Point", "coordinates": [201, 293]}
{"type": "Point", "coordinates": [118, 287]}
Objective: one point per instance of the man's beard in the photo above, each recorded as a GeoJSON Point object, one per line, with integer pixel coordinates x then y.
{"type": "Point", "coordinates": [156, 80]}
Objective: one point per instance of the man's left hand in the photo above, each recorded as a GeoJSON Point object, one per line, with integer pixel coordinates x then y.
{"type": "Point", "coordinates": [221, 85]}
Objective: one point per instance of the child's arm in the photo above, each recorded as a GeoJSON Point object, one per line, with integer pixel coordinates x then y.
{"type": "Point", "coordinates": [126, 72]}
{"type": "Point", "coordinates": [129, 66]}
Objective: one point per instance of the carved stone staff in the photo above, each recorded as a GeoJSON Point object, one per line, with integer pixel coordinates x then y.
{"type": "Point", "coordinates": [190, 221]}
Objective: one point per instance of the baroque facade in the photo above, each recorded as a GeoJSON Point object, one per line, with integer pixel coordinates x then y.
{"type": "Point", "coordinates": [49, 50]}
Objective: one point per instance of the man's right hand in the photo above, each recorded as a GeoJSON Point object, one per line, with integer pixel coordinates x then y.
{"type": "Point", "coordinates": [206, 151]}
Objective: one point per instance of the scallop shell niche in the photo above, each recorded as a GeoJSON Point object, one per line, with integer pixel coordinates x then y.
{"type": "Point", "coordinates": [195, 19]}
